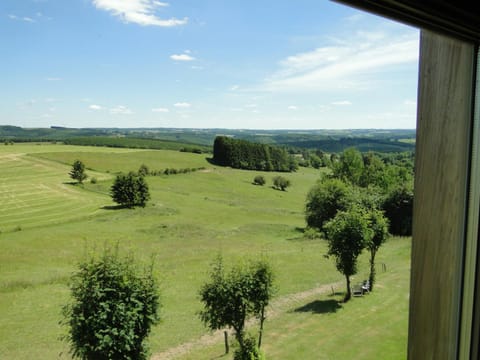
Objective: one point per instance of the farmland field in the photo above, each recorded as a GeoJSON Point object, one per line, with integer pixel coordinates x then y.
{"type": "Point", "coordinates": [48, 224]}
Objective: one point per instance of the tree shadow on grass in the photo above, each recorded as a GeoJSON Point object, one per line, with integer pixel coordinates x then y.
{"type": "Point", "coordinates": [320, 307]}
{"type": "Point", "coordinates": [113, 207]}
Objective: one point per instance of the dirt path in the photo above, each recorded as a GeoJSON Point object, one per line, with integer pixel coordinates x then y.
{"type": "Point", "coordinates": [277, 307]}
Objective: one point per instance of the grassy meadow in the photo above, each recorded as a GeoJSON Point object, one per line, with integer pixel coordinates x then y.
{"type": "Point", "coordinates": [48, 224]}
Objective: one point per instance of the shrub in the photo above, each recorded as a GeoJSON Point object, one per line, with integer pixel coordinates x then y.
{"type": "Point", "coordinates": [249, 351]}
{"type": "Point", "coordinates": [279, 182]}
{"type": "Point", "coordinates": [112, 310]}
{"type": "Point", "coordinates": [93, 180]}
{"type": "Point", "coordinates": [259, 180]}
{"type": "Point", "coordinates": [143, 170]}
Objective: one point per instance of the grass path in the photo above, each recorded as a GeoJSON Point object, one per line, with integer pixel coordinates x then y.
{"type": "Point", "coordinates": [276, 308]}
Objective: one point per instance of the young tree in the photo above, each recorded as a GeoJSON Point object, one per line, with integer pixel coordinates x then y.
{"type": "Point", "coordinates": [379, 226]}
{"type": "Point", "coordinates": [130, 190]}
{"type": "Point", "coordinates": [347, 235]}
{"type": "Point", "coordinates": [262, 292]}
{"type": "Point", "coordinates": [229, 299]}
{"type": "Point", "coordinates": [78, 171]}
{"type": "Point", "coordinates": [112, 309]}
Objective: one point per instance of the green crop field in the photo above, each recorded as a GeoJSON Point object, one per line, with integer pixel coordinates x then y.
{"type": "Point", "coordinates": [48, 224]}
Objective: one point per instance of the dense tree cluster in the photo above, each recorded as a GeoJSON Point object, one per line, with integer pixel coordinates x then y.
{"type": "Point", "coordinates": [357, 205]}
{"type": "Point", "coordinates": [367, 180]}
{"type": "Point", "coordinates": [242, 154]}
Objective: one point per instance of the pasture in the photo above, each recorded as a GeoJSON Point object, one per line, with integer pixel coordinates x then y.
{"type": "Point", "coordinates": [48, 225]}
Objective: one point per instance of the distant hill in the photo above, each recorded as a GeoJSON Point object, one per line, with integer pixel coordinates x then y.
{"type": "Point", "coordinates": [381, 140]}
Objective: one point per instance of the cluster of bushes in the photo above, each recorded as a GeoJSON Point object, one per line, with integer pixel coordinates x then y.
{"type": "Point", "coordinates": [144, 171]}
{"type": "Point", "coordinates": [242, 154]}
{"type": "Point", "coordinates": [279, 182]}
{"type": "Point", "coordinates": [194, 150]}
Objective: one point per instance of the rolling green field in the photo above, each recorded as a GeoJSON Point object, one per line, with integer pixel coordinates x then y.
{"type": "Point", "coordinates": [48, 224]}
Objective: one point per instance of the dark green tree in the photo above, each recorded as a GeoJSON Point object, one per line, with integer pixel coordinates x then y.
{"type": "Point", "coordinates": [130, 190]}
{"type": "Point", "coordinates": [379, 227]}
{"type": "Point", "coordinates": [112, 310]}
{"type": "Point", "coordinates": [347, 234]}
{"type": "Point", "coordinates": [324, 200]}
{"type": "Point", "coordinates": [398, 207]}
{"type": "Point", "coordinates": [78, 171]}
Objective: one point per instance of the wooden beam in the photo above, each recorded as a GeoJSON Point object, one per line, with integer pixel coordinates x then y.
{"type": "Point", "coordinates": [442, 169]}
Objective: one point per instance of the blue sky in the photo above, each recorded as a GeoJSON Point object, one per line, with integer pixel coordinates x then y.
{"type": "Point", "coordinates": [304, 64]}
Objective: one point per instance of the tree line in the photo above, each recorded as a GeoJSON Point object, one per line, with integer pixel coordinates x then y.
{"type": "Point", "coordinates": [242, 154]}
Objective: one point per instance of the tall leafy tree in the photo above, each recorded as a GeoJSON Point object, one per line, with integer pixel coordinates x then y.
{"type": "Point", "coordinates": [347, 234]}
{"type": "Point", "coordinates": [78, 171]}
{"type": "Point", "coordinates": [379, 227]}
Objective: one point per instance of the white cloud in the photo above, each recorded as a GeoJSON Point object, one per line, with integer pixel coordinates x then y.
{"type": "Point", "coordinates": [160, 110]}
{"type": "Point", "coordinates": [234, 88]}
{"type": "Point", "coordinates": [142, 12]}
{"type": "Point", "coordinates": [409, 102]}
{"type": "Point", "coordinates": [182, 105]}
{"type": "Point", "coordinates": [182, 57]}
{"type": "Point", "coordinates": [120, 110]}
{"type": "Point", "coordinates": [342, 103]}
{"type": "Point", "coordinates": [95, 107]}
{"type": "Point", "coordinates": [344, 63]}
{"type": "Point", "coordinates": [53, 79]}
{"type": "Point", "coordinates": [292, 107]}
{"type": "Point", "coordinates": [24, 18]}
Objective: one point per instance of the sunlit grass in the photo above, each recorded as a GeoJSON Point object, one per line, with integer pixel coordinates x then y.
{"type": "Point", "coordinates": [191, 218]}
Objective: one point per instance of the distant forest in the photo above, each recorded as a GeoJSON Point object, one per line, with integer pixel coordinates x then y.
{"type": "Point", "coordinates": [202, 140]}
{"type": "Point", "coordinates": [243, 154]}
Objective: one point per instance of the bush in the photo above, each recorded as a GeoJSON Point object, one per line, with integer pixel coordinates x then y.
{"type": "Point", "coordinates": [279, 182]}
{"type": "Point", "coordinates": [93, 180]}
{"type": "Point", "coordinates": [259, 180]}
{"type": "Point", "coordinates": [250, 350]}
{"type": "Point", "coordinates": [112, 310]}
